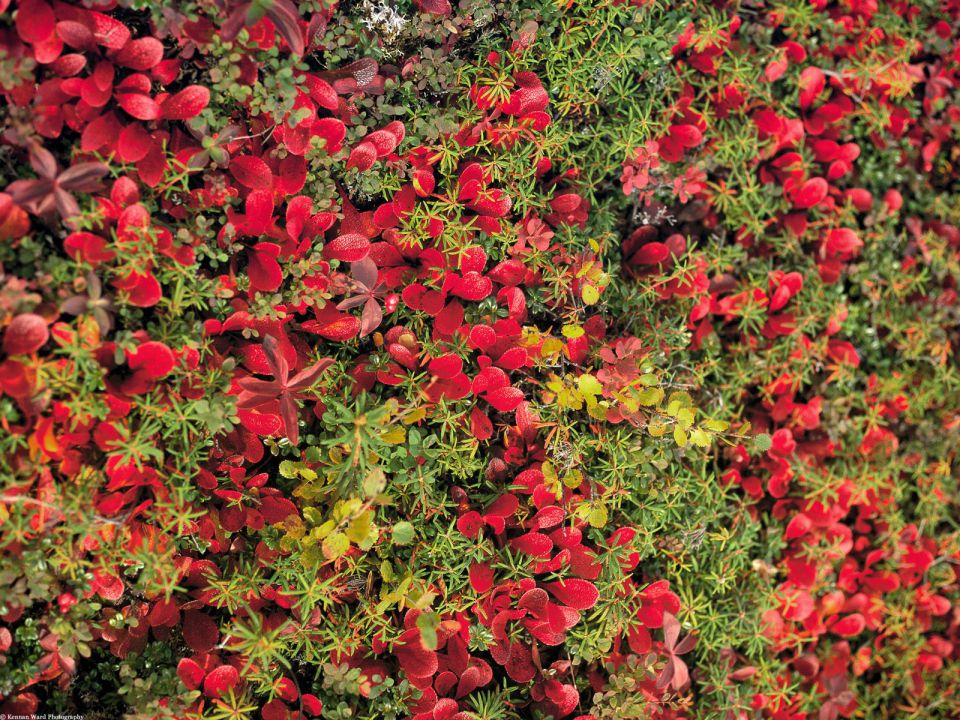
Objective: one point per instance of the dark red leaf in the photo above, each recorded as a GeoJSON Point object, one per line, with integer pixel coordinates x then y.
{"type": "Point", "coordinates": [25, 334]}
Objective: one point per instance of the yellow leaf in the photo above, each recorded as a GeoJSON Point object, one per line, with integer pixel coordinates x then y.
{"type": "Point", "coordinates": [598, 411]}
{"type": "Point", "coordinates": [335, 546]}
{"type": "Point", "coordinates": [597, 517]}
{"type": "Point", "coordinates": [572, 331]}
{"type": "Point", "coordinates": [415, 416]}
{"type": "Point", "coordinates": [679, 436]}
{"type": "Point", "coordinates": [589, 385]}
{"type": "Point", "coordinates": [394, 436]}
{"type": "Point", "coordinates": [685, 418]}
{"type": "Point", "coordinates": [321, 531]}
{"type": "Point", "coordinates": [699, 438]}
{"type": "Point", "coordinates": [551, 347]}
{"type": "Point", "coordinates": [682, 399]}
{"type": "Point", "coordinates": [310, 557]}
{"type": "Point", "coordinates": [590, 295]}
{"type": "Point", "coordinates": [359, 528]}
{"type": "Point", "coordinates": [573, 479]}
{"type": "Point", "coordinates": [549, 473]}
{"type": "Point", "coordinates": [650, 396]}
{"type": "Point", "coordinates": [657, 427]}
{"type": "Point", "coordinates": [630, 405]}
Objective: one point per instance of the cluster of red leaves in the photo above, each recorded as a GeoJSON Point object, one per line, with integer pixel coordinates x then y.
{"type": "Point", "coordinates": [92, 85]}
{"type": "Point", "coordinates": [832, 619]}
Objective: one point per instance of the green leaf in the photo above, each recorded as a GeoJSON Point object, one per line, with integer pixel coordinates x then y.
{"type": "Point", "coordinates": [762, 442]}
{"type": "Point", "coordinates": [428, 623]}
{"type": "Point", "coordinates": [403, 533]}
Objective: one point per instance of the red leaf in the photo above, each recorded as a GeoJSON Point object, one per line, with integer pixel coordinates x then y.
{"type": "Point", "coordinates": [363, 156]}
{"type": "Point", "coordinates": [322, 92]}
{"type": "Point", "coordinates": [338, 327]}
{"type": "Point", "coordinates": [481, 577]}
{"type": "Point", "coordinates": [35, 21]}
{"type": "Point", "coordinates": [275, 509]}
{"type": "Point", "coordinates": [841, 241]}
{"type": "Point", "coordinates": [843, 352]}
{"type": "Point", "coordinates": [529, 97]}
{"type": "Point", "coordinates": [473, 286]}
{"type": "Point", "coordinates": [689, 136]}
{"type": "Point", "coordinates": [100, 132]}
{"type": "Point", "coordinates": [142, 290]}
{"type": "Point", "coordinates": [134, 143]}
{"type": "Point", "coordinates": [274, 710]}
{"type": "Point", "coordinates": [480, 426]}
{"type": "Point", "coordinates": [251, 172]}
{"type": "Point", "coordinates": [798, 526]}
{"type": "Point", "coordinates": [548, 517]}
{"type": "Point", "coordinates": [107, 586]}
{"type": "Point", "coordinates": [110, 32]}
{"type": "Point", "coordinates": [27, 333]}
{"type": "Point", "coordinates": [154, 358]}
{"type": "Point", "coordinates": [470, 524]}
{"type": "Point", "coordinates": [140, 54]}
{"type": "Point", "coordinates": [164, 613]}
{"type": "Point", "coordinates": [413, 657]}
{"type": "Point", "coordinates": [565, 697]}
{"type": "Point", "coordinates": [812, 81]}
{"type": "Point", "coordinates": [811, 193]}
{"type": "Point", "coordinates": [87, 247]}
{"type": "Point", "coordinates": [262, 424]}
{"type": "Point", "coordinates": [446, 366]}
{"type": "Point", "coordinates": [533, 543]}
{"type": "Point", "coordinates": [351, 247]}
{"type": "Point", "coordinates": [286, 19]}
{"type": "Point", "coordinates": [333, 131]}
{"type": "Point", "coordinates": [221, 681]}
{"type": "Point", "coordinates": [262, 267]}
{"type": "Point", "coordinates": [200, 632]}
{"type": "Point", "coordinates": [190, 673]}
{"type": "Point", "coordinates": [76, 35]}
{"type": "Point", "coordinates": [505, 399]}
{"type": "Point", "coordinates": [652, 253]}
{"type": "Point", "coordinates": [851, 625]}
{"type": "Point", "coordinates": [434, 7]}
{"type": "Point", "coordinates": [504, 506]}
{"type": "Point", "coordinates": [371, 317]}
{"type": "Point", "coordinates": [259, 211]}
{"type": "Point", "coordinates": [186, 104]}
{"type": "Point", "coordinates": [142, 107]}
{"type": "Point", "coordinates": [519, 665]}
{"type": "Point", "coordinates": [575, 593]}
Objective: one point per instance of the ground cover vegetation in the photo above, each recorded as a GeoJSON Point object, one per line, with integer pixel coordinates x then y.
{"type": "Point", "coordinates": [479, 360]}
